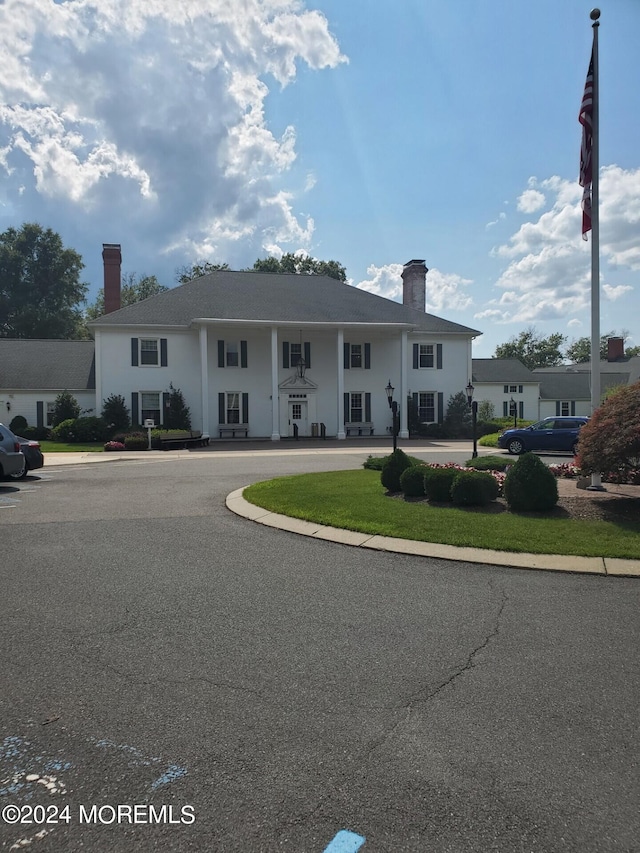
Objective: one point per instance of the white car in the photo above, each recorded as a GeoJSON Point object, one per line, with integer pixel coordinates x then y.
{"type": "Point", "coordinates": [12, 460]}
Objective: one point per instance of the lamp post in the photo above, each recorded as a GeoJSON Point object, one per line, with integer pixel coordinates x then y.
{"type": "Point", "coordinates": [514, 409]}
{"type": "Point", "coordinates": [393, 405]}
{"type": "Point", "coordinates": [473, 405]}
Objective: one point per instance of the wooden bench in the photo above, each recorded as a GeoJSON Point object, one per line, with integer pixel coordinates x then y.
{"type": "Point", "coordinates": [359, 429]}
{"type": "Point", "coordinates": [240, 429]}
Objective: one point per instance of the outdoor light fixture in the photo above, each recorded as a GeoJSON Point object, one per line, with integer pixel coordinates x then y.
{"type": "Point", "coordinates": [514, 409]}
{"type": "Point", "coordinates": [473, 405]}
{"type": "Point", "coordinates": [393, 405]}
{"type": "Point", "coordinates": [301, 367]}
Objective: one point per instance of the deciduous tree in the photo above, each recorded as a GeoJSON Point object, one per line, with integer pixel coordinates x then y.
{"type": "Point", "coordinates": [40, 287]}
{"type": "Point", "coordinates": [610, 441]}
{"type": "Point", "coordinates": [200, 268]}
{"type": "Point", "coordinates": [533, 350]}
{"type": "Point", "coordinates": [134, 288]}
{"type": "Point", "coordinates": [301, 265]}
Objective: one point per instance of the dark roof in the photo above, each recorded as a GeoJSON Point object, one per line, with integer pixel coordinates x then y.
{"type": "Point", "coordinates": [575, 386]}
{"type": "Point", "coordinates": [500, 370]}
{"type": "Point", "coordinates": [629, 365]}
{"type": "Point", "coordinates": [47, 365]}
{"type": "Point", "coordinates": [256, 296]}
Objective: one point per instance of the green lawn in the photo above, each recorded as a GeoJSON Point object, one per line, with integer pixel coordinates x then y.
{"type": "Point", "coordinates": [62, 447]}
{"type": "Point", "coordinates": [356, 500]}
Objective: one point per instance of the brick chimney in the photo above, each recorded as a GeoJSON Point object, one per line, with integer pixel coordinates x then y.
{"type": "Point", "coordinates": [112, 260]}
{"type": "Point", "coordinates": [615, 349]}
{"type": "Point", "coordinates": [414, 286]}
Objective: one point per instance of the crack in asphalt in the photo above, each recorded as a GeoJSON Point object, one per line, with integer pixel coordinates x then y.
{"type": "Point", "coordinates": [424, 694]}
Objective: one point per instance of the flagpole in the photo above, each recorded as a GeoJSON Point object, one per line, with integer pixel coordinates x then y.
{"type": "Point", "coordinates": [596, 481]}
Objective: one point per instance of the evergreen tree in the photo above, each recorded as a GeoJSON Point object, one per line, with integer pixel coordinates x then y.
{"type": "Point", "coordinates": [177, 413]}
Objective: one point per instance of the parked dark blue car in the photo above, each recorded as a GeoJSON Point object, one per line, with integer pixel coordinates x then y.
{"type": "Point", "coordinates": [557, 433]}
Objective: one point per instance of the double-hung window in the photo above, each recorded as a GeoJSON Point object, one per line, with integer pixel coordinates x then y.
{"type": "Point", "coordinates": [425, 358]}
{"type": "Point", "coordinates": [150, 406]}
{"type": "Point", "coordinates": [427, 407]}
{"type": "Point", "coordinates": [355, 408]}
{"type": "Point", "coordinates": [233, 408]}
{"type": "Point", "coordinates": [149, 351]}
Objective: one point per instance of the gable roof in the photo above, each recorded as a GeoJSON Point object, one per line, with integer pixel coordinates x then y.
{"type": "Point", "coordinates": [500, 370]}
{"type": "Point", "coordinates": [47, 365]}
{"type": "Point", "coordinates": [629, 365]}
{"type": "Point", "coordinates": [575, 386]}
{"type": "Point", "coordinates": [276, 298]}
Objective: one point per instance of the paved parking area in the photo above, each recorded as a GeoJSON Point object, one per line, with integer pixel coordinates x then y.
{"type": "Point", "coordinates": [252, 690]}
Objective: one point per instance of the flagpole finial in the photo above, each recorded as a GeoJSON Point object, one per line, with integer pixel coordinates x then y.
{"type": "Point", "coordinates": [594, 14]}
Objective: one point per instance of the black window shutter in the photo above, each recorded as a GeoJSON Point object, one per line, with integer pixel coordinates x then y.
{"type": "Point", "coordinates": [285, 354]}
{"type": "Point", "coordinates": [163, 352]}
{"type": "Point", "coordinates": [221, 412]}
{"type": "Point", "coordinates": [557, 407]}
{"type": "Point", "coordinates": [521, 408]}
{"type": "Point", "coordinates": [438, 356]}
{"type": "Point", "coordinates": [40, 413]}
{"type": "Point", "coordinates": [416, 353]}
{"type": "Point", "coordinates": [506, 389]}
{"type": "Point", "coordinates": [245, 408]}
{"type": "Point", "coordinates": [307, 353]}
{"type": "Point", "coordinates": [573, 407]}
{"type": "Point", "coordinates": [347, 413]}
{"type": "Point", "coordinates": [243, 354]}
{"type": "Point", "coordinates": [347, 356]}
{"type": "Point", "coordinates": [134, 352]}
{"type": "Point", "coordinates": [505, 409]}
{"type": "Point", "coordinates": [165, 406]}
{"type": "Point", "coordinates": [367, 406]}
{"type": "Point", "coordinates": [221, 355]}
{"type": "Point", "coordinates": [367, 357]}
{"type": "Point", "coordinates": [415, 399]}
{"type": "Point", "coordinates": [135, 415]}
{"type": "Point", "coordinates": [519, 389]}
{"type": "Point", "coordinates": [440, 407]}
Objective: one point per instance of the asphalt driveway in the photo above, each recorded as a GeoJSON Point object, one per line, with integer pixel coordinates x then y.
{"type": "Point", "coordinates": [250, 690]}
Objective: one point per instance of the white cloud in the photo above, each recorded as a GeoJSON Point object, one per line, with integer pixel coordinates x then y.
{"type": "Point", "coordinates": [548, 270]}
{"type": "Point", "coordinates": [151, 113]}
{"type": "Point", "coordinates": [613, 293]}
{"type": "Point", "coordinates": [501, 216]}
{"type": "Point", "coordinates": [574, 323]}
{"type": "Point", "coordinates": [445, 291]}
{"type": "Point", "coordinates": [530, 201]}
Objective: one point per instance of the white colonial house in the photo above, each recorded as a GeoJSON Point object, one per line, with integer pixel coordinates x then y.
{"type": "Point", "coordinates": [508, 385]}
{"type": "Point", "coordinates": [267, 355]}
{"type": "Point", "coordinates": [33, 373]}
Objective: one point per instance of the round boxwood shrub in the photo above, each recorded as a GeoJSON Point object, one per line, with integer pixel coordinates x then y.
{"type": "Point", "coordinates": [18, 425]}
{"type": "Point", "coordinates": [530, 486]}
{"type": "Point", "coordinates": [438, 482]}
{"type": "Point", "coordinates": [136, 441]}
{"type": "Point", "coordinates": [474, 488]}
{"type": "Point", "coordinates": [65, 431]}
{"type": "Point", "coordinates": [393, 467]}
{"type": "Point", "coordinates": [412, 481]}
{"type": "Point", "coordinates": [490, 463]}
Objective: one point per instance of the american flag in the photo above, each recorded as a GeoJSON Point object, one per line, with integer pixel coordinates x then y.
{"type": "Point", "coordinates": [585, 118]}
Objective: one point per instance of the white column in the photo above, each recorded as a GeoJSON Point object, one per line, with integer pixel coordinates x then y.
{"type": "Point", "coordinates": [275, 400]}
{"type": "Point", "coordinates": [204, 379]}
{"type": "Point", "coordinates": [340, 433]}
{"type": "Point", "coordinates": [98, 371]}
{"type": "Point", "coordinates": [402, 402]}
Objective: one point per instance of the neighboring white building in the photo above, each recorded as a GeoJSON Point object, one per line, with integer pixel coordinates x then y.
{"type": "Point", "coordinates": [266, 355]}
{"type": "Point", "coordinates": [508, 385]}
{"type": "Point", "coordinates": [33, 373]}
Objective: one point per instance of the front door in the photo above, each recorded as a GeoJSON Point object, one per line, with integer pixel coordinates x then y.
{"type": "Point", "coordinates": [298, 417]}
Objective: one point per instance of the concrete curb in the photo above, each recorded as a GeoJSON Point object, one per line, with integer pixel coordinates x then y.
{"type": "Point", "coordinates": [549, 562]}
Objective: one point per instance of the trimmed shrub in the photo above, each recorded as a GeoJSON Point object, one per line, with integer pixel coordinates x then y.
{"type": "Point", "coordinates": [90, 429]}
{"type": "Point", "coordinates": [18, 425]}
{"type": "Point", "coordinates": [111, 446]}
{"type": "Point", "coordinates": [473, 488]}
{"type": "Point", "coordinates": [490, 463]}
{"type": "Point", "coordinates": [438, 482]}
{"type": "Point", "coordinates": [177, 414]}
{"type": "Point", "coordinates": [376, 463]}
{"type": "Point", "coordinates": [65, 408]}
{"type": "Point", "coordinates": [116, 414]}
{"type": "Point", "coordinates": [393, 467]}
{"type": "Point", "coordinates": [64, 431]}
{"type": "Point", "coordinates": [136, 441]}
{"type": "Point", "coordinates": [530, 486]}
{"type": "Point", "coordinates": [412, 481]}
{"type": "Point", "coordinates": [36, 433]}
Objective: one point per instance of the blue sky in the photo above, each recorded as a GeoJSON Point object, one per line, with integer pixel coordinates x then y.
{"type": "Point", "coordinates": [369, 132]}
